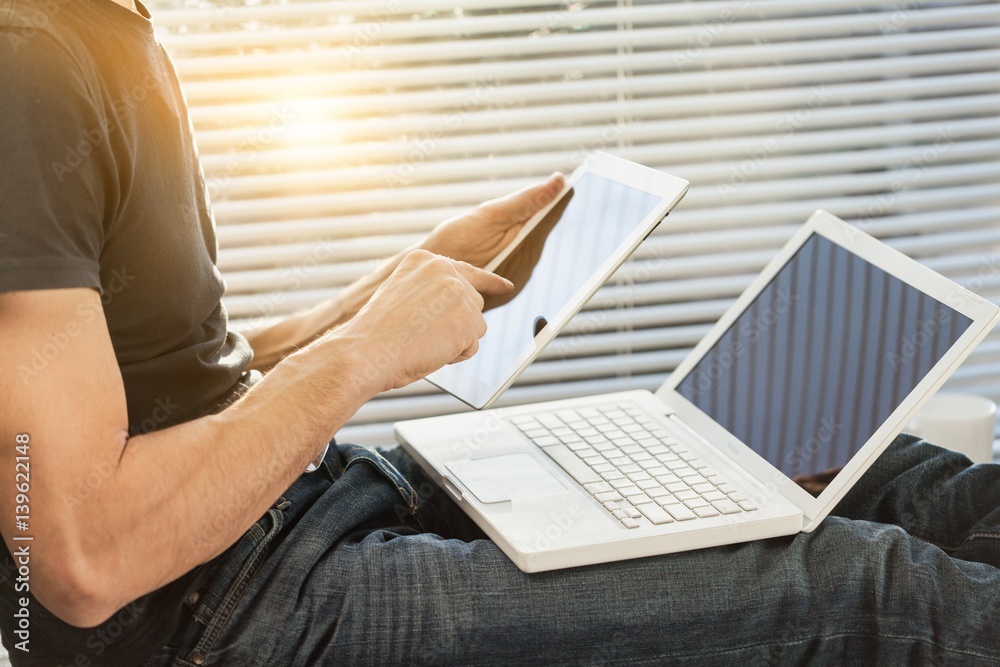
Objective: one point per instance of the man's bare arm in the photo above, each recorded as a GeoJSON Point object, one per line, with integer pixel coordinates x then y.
{"type": "Point", "coordinates": [176, 498]}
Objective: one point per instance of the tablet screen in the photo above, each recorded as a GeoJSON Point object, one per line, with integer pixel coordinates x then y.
{"type": "Point", "coordinates": [551, 264]}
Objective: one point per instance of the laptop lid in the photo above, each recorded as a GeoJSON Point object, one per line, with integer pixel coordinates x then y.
{"type": "Point", "coordinates": [824, 358]}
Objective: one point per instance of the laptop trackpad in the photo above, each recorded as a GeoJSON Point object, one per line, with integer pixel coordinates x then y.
{"type": "Point", "coordinates": [509, 477]}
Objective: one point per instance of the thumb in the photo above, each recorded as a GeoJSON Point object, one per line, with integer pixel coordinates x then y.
{"type": "Point", "coordinates": [518, 206]}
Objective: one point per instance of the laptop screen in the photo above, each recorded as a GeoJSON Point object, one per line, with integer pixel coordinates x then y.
{"type": "Point", "coordinates": [821, 358]}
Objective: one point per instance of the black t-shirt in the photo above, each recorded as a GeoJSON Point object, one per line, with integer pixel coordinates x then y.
{"type": "Point", "coordinates": [101, 187]}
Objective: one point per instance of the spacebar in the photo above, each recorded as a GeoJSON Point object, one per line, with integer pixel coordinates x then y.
{"type": "Point", "coordinates": [569, 462]}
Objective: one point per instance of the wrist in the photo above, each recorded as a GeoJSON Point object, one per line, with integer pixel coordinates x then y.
{"type": "Point", "coordinates": [368, 371]}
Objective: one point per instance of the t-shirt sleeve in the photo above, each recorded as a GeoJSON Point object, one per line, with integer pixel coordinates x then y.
{"type": "Point", "coordinates": [56, 169]}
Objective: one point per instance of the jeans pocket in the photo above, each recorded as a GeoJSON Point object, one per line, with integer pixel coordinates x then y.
{"type": "Point", "coordinates": [230, 580]}
{"type": "Point", "coordinates": [354, 454]}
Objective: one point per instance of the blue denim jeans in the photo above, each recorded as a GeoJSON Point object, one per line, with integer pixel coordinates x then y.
{"type": "Point", "coordinates": [366, 562]}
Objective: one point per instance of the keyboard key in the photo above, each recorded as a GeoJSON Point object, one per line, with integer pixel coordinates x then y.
{"type": "Point", "coordinates": [568, 461]}
{"type": "Point", "coordinates": [623, 483]}
{"type": "Point", "coordinates": [619, 514]}
{"type": "Point", "coordinates": [568, 415]}
{"type": "Point", "coordinates": [587, 413]}
{"type": "Point", "coordinates": [571, 439]}
{"type": "Point", "coordinates": [630, 523]}
{"type": "Point", "coordinates": [605, 448]}
{"type": "Point", "coordinates": [611, 506]}
{"type": "Point", "coordinates": [546, 441]}
{"type": "Point", "coordinates": [667, 478]}
{"type": "Point", "coordinates": [675, 487]}
{"type": "Point", "coordinates": [630, 490]}
{"type": "Point", "coordinates": [596, 439]}
{"type": "Point", "coordinates": [604, 428]}
{"type": "Point", "coordinates": [647, 484]}
{"type": "Point", "coordinates": [658, 492]}
{"type": "Point", "coordinates": [747, 505]}
{"type": "Point", "coordinates": [696, 503]}
{"type": "Point", "coordinates": [686, 472]}
{"type": "Point", "coordinates": [655, 513]}
{"type": "Point", "coordinates": [562, 431]}
{"type": "Point", "coordinates": [639, 499]}
{"type": "Point", "coordinates": [703, 487]}
{"type": "Point", "coordinates": [659, 471]}
{"type": "Point", "coordinates": [712, 496]}
{"type": "Point", "coordinates": [620, 439]}
{"type": "Point", "coordinates": [705, 512]}
{"type": "Point", "coordinates": [651, 464]}
{"type": "Point", "coordinates": [633, 449]}
{"type": "Point", "coordinates": [686, 494]}
{"type": "Point", "coordinates": [727, 488]}
{"type": "Point", "coordinates": [577, 446]}
{"type": "Point", "coordinates": [715, 479]}
{"type": "Point", "coordinates": [619, 460]}
{"type": "Point", "coordinates": [604, 467]}
{"type": "Point", "coordinates": [609, 497]}
{"type": "Point", "coordinates": [631, 512]}
{"type": "Point", "coordinates": [659, 449]}
{"type": "Point", "coordinates": [679, 512]}
{"type": "Point", "coordinates": [638, 476]}
{"type": "Point", "coordinates": [536, 433]}
{"type": "Point", "coordinates": [629, 468]}
{"type": "Point", "coordinates": [584, 432]}
{"type": "Point", "coordinates": [612, 475]}
{"type": "Point", "coordinates": [663, 501]}
{"type": "Point", "coordinates": [598, 487]}
{"type": "Point", "coordinates": [523, 419]}
{"type": "Point", "coordinates": [549, 420]}
{"type": "Point", "coordinates": [726, 506]}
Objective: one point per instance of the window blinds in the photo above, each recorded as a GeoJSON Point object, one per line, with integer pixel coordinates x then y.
{"type": "Point", "coordinates": [335, 133]}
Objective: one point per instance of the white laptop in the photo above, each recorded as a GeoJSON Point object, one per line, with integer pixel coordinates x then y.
{"type": "Point", "coordinates": [815, 368]}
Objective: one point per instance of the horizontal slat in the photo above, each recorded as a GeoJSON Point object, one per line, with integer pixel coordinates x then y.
{"type": "Point", "coordinates": [582, 137]}
{"type": "Point", "coordinates": [760, 165]}
{"type": "Point", "coordinates": [463, 103]}
{"type": "Point", "coordinates": [584, 40]}
{"type": "Point", "coordinates": [539, 90]}
{"type": "Point", "coordinates": [321, 59]}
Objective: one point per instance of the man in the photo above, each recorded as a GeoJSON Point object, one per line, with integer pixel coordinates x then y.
{"type": "Point", "coordinates": [170, 518]}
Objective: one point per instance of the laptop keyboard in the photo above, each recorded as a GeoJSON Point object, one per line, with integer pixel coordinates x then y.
{"type": "Point", "coordinates": [639, 472]}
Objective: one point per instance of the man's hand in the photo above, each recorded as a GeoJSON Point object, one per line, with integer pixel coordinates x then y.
{"type": "Point", "coordinates": [428, 313]}
{"type": "Point", "coordinates": [479, 236]}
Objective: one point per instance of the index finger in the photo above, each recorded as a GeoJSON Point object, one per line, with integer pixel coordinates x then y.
{"type": "Point", "coordinates": [484, 282]}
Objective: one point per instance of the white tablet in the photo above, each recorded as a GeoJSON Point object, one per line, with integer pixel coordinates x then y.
{"type": "Point", "coordinates": [558, 261]}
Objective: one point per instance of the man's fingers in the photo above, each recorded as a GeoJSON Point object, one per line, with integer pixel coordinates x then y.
{"type": "Point", "coordinates": [483, 282]}
{"type": "Point", "coordinates": [521, 205]}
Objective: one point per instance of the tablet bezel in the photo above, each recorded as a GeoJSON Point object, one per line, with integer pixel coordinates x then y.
{"type": "Point", "coordinates": [669, 189]}
{"type": "Point", "coordinates": [983, 315]}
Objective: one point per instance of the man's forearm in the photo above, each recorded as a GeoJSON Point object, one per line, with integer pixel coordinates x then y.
{"type": "Point", "coordinates": [273, 343]}
{"type": "Point", "coordinates": [183, 495]}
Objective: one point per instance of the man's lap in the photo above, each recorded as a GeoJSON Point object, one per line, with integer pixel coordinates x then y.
{"type": "Point", "coordinates": [351, 578]}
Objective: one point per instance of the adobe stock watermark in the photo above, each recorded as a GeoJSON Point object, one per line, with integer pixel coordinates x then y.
{"type": "Point", "coordinates": [367, 33]}
{"type": "Point", "coordinates": [926, 333]}
{"type": "Point", "coordinates": [248, 150]}
{"type": "Point", "coordinates": [721, 361]}
{"type": "Point", "coordinates": [899, 17]}
{"type": "Point", "coordinates": [784, 127]}
{"type": "Point", "coordinates": [910, 172]}
{"type": "Point", "coordinates": [707, 34]}
{"type": "Point", "coordinates": [85, 315]}
{"type": "Point", "coordinates": [425, 147]}
{"type": "Point", "coordinates": [38, 21]}
{"type": "Point", "coordinates": [89, 140]}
